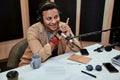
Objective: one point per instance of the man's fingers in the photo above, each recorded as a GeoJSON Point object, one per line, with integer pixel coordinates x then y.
{"type": "Point", "coordinates": [67, 21]}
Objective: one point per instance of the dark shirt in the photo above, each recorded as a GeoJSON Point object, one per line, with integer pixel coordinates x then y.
{"type": "Point", "coordinates": [54, 53]}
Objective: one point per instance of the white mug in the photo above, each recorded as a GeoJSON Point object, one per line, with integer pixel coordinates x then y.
{"type": "Point", "coordinates": [35, 61]}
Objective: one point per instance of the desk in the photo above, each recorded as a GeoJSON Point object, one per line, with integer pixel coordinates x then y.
{"type": "Point", "coordinates": [60, 68]}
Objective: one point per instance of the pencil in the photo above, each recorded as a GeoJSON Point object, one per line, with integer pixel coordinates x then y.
{"type": "Point", "coordinates": [89, 74]}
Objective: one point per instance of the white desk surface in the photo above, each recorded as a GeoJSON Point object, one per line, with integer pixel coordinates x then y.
{"type": "Point", "coordinates": [60, 68]}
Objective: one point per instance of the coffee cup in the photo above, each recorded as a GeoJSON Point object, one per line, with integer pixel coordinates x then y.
{"type": "Point", "coordinates": [35, 61]}
{"type": "Point", "coordinates": [12, 75]}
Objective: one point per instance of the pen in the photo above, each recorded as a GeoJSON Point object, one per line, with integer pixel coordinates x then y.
{"type": "Point", "coordinates": [89, 74]}
{"type": "Point", "coordinates": [73, 63]}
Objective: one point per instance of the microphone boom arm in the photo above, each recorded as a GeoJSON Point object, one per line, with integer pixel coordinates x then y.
{"type": "Point", "coordinates": [91, 33]}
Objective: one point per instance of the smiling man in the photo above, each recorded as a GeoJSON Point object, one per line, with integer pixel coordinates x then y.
{"type": "Point", "coordinates": [43, 37]}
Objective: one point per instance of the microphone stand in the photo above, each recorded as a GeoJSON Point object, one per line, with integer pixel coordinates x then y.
{"type": "Point", "coordinates": [93, 33]}
{"type": "Point", "coordinates": [84, 51]}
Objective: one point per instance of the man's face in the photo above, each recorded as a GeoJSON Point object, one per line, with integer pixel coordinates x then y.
{"type": "Point", "coordinates": [51, 19]}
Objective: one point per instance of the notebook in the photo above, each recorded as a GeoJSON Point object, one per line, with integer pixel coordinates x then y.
{"type": "Point", "coordinates": [79, 58]}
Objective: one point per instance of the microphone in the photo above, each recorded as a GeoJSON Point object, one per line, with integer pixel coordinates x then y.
{"type": "Point", "coordinates": [83, 51]}
{"type": "Point", "coordinates": [107, 48]}
{"type": "Point", "coordinates": [99, 49]}
{"type": "Point", "coordinates": [66, 37]}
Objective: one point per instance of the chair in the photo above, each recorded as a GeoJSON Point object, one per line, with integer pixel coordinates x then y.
{"type": "Point", "coordinates": [16, 53]}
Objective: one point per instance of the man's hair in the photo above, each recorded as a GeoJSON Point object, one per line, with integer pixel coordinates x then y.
{"type": "Point", "coordinates": [44, 7]}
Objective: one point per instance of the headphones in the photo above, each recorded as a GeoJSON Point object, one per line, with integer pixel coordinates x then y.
{"type": "Point", "coordinates": [46, 6]}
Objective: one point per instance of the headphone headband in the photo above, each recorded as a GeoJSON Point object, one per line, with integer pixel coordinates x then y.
{"type": "Point", "coordinates": [46, 6]}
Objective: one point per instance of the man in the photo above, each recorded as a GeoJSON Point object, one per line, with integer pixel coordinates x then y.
{"type": "Point", "coordinates": [43, 37]}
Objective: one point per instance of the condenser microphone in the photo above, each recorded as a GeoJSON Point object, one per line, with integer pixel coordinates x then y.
{"type": "Point", "coordinates": [83, 51]}
{"type": "Point", "coordinates": [110, 47]}
{"type": "Point", "coordinates": [107, 48]}
{"type": "Point", "coordinates": [66, 37]}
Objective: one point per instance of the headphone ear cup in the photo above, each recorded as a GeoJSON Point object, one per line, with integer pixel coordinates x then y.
{"type": "Point", "coordinates": [98, 67]}
{"type": "Point", "coordinates": [39, 18]}
{"type": "Point", "coordinates": [89, 67]}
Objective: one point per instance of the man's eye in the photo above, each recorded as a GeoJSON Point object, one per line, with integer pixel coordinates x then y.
{"type": "Point", "coordinates": [49, 19]}
{"type": "Point", "coordinates": [56, 17]}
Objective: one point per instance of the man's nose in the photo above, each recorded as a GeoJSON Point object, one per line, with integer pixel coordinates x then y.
{"type": "Point", "coordinates": [53, 21]}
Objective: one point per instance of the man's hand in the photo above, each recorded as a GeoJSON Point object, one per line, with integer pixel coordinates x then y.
{"type": "Point", "coordinates": [65, 28]}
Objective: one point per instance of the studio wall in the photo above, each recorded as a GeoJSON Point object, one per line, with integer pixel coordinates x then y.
{"type": "Point", "coordinates": [115, 34]}
{"type": "Point", "coordinates": [10, 20]}
{"type": "Point", "coordinates": [91, 18]}
{"type": "Point", "coordinates": [68, 10]}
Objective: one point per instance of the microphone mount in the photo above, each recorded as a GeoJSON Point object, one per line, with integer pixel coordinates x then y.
{"type": "Point", "coordinates": [94, 33]}
{"type": "Point", "coordinates": [107, 48]}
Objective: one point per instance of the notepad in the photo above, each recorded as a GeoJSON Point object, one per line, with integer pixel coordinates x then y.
{"type": "Point", "coordinates": [79, 58]}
